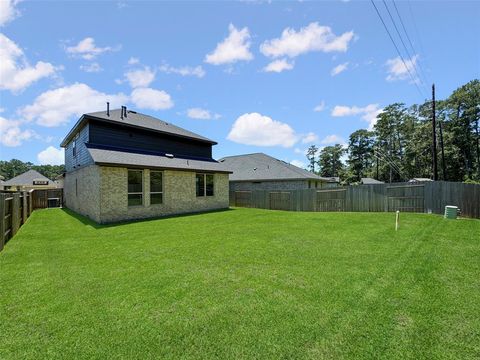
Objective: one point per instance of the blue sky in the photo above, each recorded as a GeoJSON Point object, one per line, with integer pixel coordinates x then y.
{"type": "Point", "coordinates": [254, 76]}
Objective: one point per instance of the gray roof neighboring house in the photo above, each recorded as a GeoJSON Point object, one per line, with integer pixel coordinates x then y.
{"type": "Point", "coordinates": [259, 166]}
{"type": "Point", "coordinates": [27, 179]}
{"type": "Point", "coordinates": [370, 181]}
{"type": "Point", "coordinates": [419, 180]}
{"type": "Point", "coordinates": [137, 120]}
{"type": "Point", "coordinates": [129, 159]}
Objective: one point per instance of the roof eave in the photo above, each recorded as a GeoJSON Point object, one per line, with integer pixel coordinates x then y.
{"type": "Point", "coordinates": [134, 166]}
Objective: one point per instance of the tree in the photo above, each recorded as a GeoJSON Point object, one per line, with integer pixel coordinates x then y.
{"type": "Point", "coordinates": [330, 162]}
{"type": "Point", "coordinates": [360, 154]}
{"type": "Point", "coordinates": [390, 142]}
{"type": "Point", "coordinates": [14, 167]}
{"type": "Point", "coordinates": [312, 157]}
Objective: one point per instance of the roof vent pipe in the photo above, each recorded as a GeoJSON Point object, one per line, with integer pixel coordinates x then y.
{"type": "Point", "coordinates": [121, 113]}
{"type": "Point", "coordinates": [125, 111]}
{"type": "Point", "coordinates": [108, 108]}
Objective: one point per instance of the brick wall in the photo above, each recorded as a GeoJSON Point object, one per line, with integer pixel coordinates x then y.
{"type": "Point", "coordinates": [82, 191]}
{"type": "Point", "coordinates": [179, 195]}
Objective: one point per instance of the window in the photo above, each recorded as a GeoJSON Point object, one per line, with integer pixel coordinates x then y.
{"type": "Point", "coordinates": [74, 144]}
{"type": "Point", "coordinates": [135, 187]}
{"type": "Point", "coordinates": [74, 147]}
{"type": "Point", "coordinates": [204, 184]}
{"type": "Point", "coordinates": [156, 187]}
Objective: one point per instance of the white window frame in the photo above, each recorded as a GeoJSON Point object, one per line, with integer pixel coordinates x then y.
{"type": "Point", "coordinates": [136, 193]}
{"type": "Point", "coordinates": [205, 184]}
{"type": "Point", "coordinates": [156, 192]}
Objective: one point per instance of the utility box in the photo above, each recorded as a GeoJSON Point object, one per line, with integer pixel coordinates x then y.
{"type": "Point", "coordinates": [451, 212]}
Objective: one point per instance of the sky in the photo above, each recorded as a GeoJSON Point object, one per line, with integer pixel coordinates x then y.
{"type": "Point", "coordinates": [255, 76]}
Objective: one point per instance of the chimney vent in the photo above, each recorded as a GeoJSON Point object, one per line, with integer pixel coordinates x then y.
{"type": "Point", "coordinates": [121, 113]}
{"type": "Point", "coordinates": [108, 108]}
{"type": "Point", "coordinates": [125, 111]}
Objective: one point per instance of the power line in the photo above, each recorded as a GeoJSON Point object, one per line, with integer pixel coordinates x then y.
{"type": "Point", "coordinates": [423, 73]}
{"type": "Point", "coordinates": [412, 61]}
{"type": "Point", "coordinates": [398, 51]}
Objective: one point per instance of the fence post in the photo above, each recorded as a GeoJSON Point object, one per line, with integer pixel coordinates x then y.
{"type": "Point", "coordinates": [15, 213]}
{"type": "Point", "coordinates": [25, 207]}
{"type": "Point", "coordinates": [30, 202]}
{"type": "Point", "coordinates": [2, 220]}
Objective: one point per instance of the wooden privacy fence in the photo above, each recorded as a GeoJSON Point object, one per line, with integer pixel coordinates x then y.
{"type": "Point", "coordinates": [429, 197]}
{"type": "Point", "coordinates": [16, 207]}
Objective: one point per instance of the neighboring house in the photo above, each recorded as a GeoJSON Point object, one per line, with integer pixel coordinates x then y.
{"type": "Point", "coordinates": [414, 180]}
{"type": "Point", "coordinates": [59, 180]}
{"type": "Point", "coordinates": [123, 165]}
{"type": "Point", "coordinates": [262, 172]}
{"type": "Point", "coordinates": [370, 181]}
{"type": "Point", "coordinates": [29, 180]}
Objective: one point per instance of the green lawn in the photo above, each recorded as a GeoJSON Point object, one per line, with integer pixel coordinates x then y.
{"type": "Point", "coordinates": [243, 283]}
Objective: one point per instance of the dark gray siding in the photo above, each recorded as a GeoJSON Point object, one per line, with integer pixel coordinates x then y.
{"type": "Point", "coordinates": [130, 138]}
{"type": "Point", "coordinates": [83, 157]}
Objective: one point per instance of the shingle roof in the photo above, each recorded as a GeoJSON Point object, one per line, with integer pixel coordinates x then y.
{"type": "Point", "coordinates": [138, 120]}
{"type": "Point", "coordinates": [26, 179]}
{"type": "Point", "coordinates": [260, 166]}
{"type": "Point", "coordinates": [370, 181]}
{"type": "Point", "coordinates": [113, 157]}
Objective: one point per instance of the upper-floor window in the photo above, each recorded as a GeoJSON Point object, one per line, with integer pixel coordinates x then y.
{"type": "Point", "coordinates": [135, 187]}
{"type": "Point", "coordinates": [204, 184]}
{"type": "Point", "coordinates": [156, 187]}
{"type": "Point", "coordinates": [74, 146]}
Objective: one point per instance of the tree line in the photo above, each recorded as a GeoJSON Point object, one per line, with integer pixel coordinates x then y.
{"type": "Point", "coordinates": [14, 167]}
{"type": "Point", "coordinates": [400, 146]}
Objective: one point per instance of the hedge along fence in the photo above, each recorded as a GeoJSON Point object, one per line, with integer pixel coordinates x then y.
{"type": "Point", "coordinates": [15, 208]}
{"type": "Point", "coordinates": [429, 197]}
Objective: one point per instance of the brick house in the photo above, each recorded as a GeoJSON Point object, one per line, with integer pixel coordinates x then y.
{"type": "Point", "coordinates": [123, 165]}
{"type": "Point", "coordinates": [260, 171]}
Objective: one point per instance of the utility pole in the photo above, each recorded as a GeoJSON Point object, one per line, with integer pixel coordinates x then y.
{"type": "Point", "coordinates": [444, 170]}
{"type": "Point", "coordinates": [434, 137]}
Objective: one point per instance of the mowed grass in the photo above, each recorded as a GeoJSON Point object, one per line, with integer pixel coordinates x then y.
{"type": "Point", "coordinates": [243, 283]}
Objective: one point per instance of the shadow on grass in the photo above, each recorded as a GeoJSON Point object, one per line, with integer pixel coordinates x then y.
{"type": "Point", "coordinates": [89, 222]}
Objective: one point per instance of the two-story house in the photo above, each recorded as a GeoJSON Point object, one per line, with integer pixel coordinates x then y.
{"type": "Point", "coordinates": [123, 165]}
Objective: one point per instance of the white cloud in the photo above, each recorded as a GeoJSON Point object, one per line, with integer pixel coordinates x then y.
{"type": "Point", "coordinates": [310, 38]}
{"type": "Point", "coordinates": [332, 139]}
{"type": "Point", "coordinates": [8, 11]}
{"type": "Point", "coordinates": [368, 113]}
{"type": "Point", "coordinates": [279, 66]}
{"type": "Point", "coordinates": [197, 71]}
{"type": "Point", "coordinates": [236, 47]}
{"type": "Point", "coordinates": [56, 107]}
{"type": "Point", "coordinates": [339, 68]}
{"type": "Point", "coordinates": [87, 49]}
{"type": "Point", "coordinates": [309, 138]}
{"type": "Point", "coordinates": [51, 156]}
{"type": "Point", "coordinates": [320, 107]}
{"type": "Point", "coordinates": [300, 151]}
{"type": "Point", "coordinates": [15, 72]}
{"type": "Point", "coordinates": [91, 68]}
{"type": "Point", "coordinates": [298, 163]}
{"type": "Point", "coordinates": [141, 77]}
{"type": "Point", "coordinates": [133, 61]}
{"type": "Point", "coordinates": [259, 130]}
{"type": "Point", "coordinates": [397, 69]}
{"type": "Point", "coordinates": [11, 134]}
{"type": "Point", "coordinates": [148, 98]}
{"type": "Point", "coordinates": [199, 113]}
